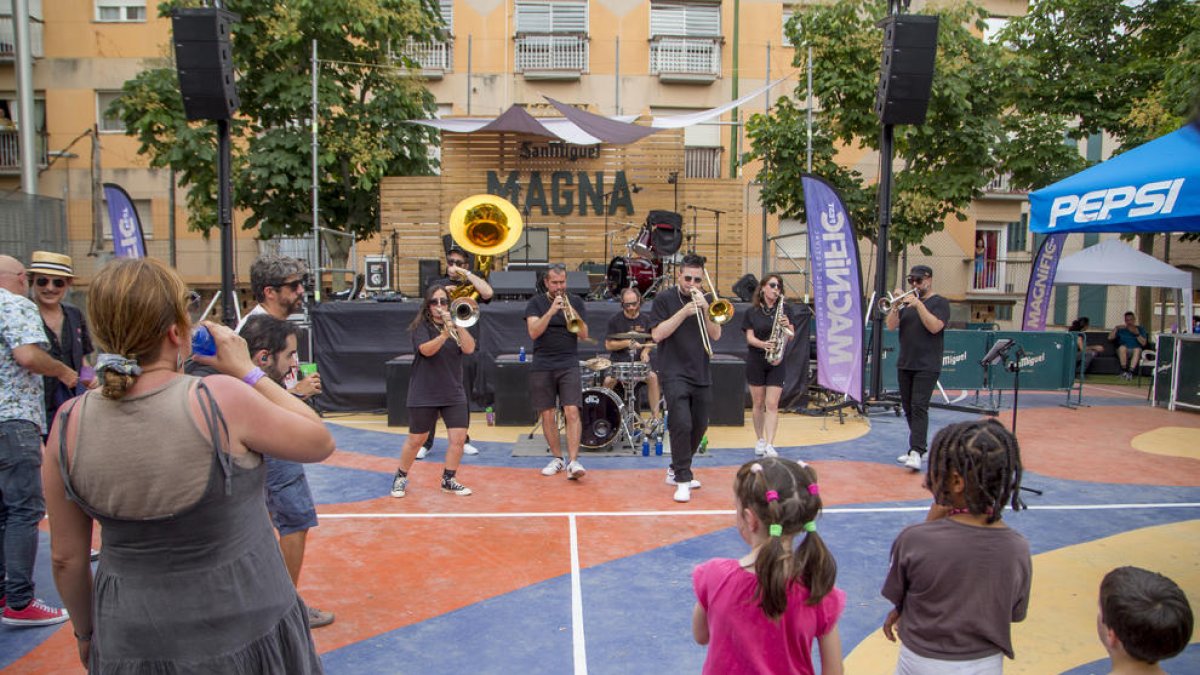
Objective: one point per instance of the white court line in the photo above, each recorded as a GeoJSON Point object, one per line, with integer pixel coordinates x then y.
{"type": "Point", "coordinates": [577, 638]}
{"type": "Point", "coordinates": [728, 512]}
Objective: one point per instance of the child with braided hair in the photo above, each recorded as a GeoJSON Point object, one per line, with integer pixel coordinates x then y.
{"type": "Point", "coordinates": [761, 613]}
{"type": "Point", "coordinates": [961, 578]}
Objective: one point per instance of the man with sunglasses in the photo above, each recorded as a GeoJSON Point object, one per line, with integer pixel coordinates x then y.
{"type": "Point", "coordinates": [277, 283]}
{"type": "Point", "coordinates": [921, 318]}
{"type": "Point", "coordinates": [458, 272]}
{"type": "Point", "coordinates": [554, 373]}
{"type": "Point", "coordinates": [51, 276]}
{"type": "Point", "coordinates": [683, 367]}
{"type": "Point", "coordinates": [632, 320]}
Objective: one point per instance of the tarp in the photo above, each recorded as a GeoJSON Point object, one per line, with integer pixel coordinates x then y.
{"type": "Point", "coordinates": [1113, 263]}
{"type": "Point", "coordinates": [1154, 187]}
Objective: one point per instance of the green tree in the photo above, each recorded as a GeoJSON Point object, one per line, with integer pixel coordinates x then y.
{"type": "Point", "coordinates": [364, 95]}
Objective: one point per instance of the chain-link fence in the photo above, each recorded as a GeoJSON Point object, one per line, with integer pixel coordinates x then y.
{"type": "Point", "coordinates": [31, 223]}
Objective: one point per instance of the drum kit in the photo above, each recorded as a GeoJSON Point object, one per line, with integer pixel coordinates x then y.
{"type": "Point", "coordinates": [607, 415]}
{"type": "Point", "coordinates": [646, 258]}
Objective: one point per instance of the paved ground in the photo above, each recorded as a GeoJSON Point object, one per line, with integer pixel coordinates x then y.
{"type": "Point", "coordinates": [544, 575]}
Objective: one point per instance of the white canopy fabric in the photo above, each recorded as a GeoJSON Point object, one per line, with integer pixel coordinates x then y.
{"type": "Point", "coordinates": [1113, 263]}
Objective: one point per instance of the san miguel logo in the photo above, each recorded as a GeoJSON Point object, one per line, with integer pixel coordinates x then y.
{"type": "Point", "coordinates": [567, 151]}
{"type": "Point", "coordinates": [564, 193]}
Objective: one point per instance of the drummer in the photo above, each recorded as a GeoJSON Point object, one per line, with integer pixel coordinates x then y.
{"type": "Point", "coordinates": [631, 320]}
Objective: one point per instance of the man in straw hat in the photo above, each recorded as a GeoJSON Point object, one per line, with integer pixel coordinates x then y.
{"type": "Point", "coordinates": [22, 420]}
{"type": "Point", "coordinates": [50, 279]}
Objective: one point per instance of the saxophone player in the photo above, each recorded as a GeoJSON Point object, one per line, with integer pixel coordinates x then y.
{"type": "Point", "coordinates": [768, 321]}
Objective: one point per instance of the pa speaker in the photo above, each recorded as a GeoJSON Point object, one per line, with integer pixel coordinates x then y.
{"type": "Point", "coordinates": [513, 285]}
{"type": "Point", "coordinates": [906, 71]}
{"type": "Point", "coordinates": [377, 273]}
{"type": "Point", "coordinates": [578, 284]}
{"type": "Point", "coordinates": [728, 407]}
{"type": "Point", "coordinates": [744, 288]}
{"type": "Point", "coordinates": [204, 59]}
{"type": "Point", "coordinates": [428, 269]}
{"type": "Point", "coordinates": [398, 370]}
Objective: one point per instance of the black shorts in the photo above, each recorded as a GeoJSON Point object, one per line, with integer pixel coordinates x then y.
{"type": "Point", "coordinates": [545, 385]}
{"type": "Point", "coordinates": [759, 373]}
{"type": "Point", "coordinates": [423, 419]}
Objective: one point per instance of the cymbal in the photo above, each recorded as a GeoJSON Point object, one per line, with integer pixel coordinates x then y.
{"type": "Point", "coordinates": [598, 363]}
{"type": "Point", "coordinates": [629, 336]}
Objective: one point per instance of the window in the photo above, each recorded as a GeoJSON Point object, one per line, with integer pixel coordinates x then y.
{"type": "Point", "coordinates": [992, 27]}
{"type": "Point", "coordinates": [1018, 231]}
{"type": "Point", "coordinates": [685, 41]}
{"type": "Point", "coordinates": [144, 212]}
{"type": "Point", "coordinates": [446, 7]}
{"type": "Point", "coordinates": [1095, 147]}
{"type": "Point", "coordinates": [108, 122]}
{"type": "Point", "coordinates": [788, 12]}
{"type": "Point", "coordinates": [685, 19]}
{"type": "Point", "coordinates": [1004, 312]}
{"type": "Point", "coordinates": [552, 17]}
{"type": "Point", "coordinates": [551, 41]}
{"type": "Point", "coordinates": [120, 10]}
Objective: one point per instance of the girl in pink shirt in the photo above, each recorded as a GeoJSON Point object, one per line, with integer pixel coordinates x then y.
{"type": "Point", "coordinates": [761, 613]}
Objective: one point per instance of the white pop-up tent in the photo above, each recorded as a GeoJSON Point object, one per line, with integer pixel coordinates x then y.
{"type": "Point", "coordinates": [1113, 263]}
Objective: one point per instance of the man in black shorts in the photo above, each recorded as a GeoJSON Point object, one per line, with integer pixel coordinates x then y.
{"type": "Point", "coordinates": [554, 373]}
{"type": "Point", "coordinates": [683, 367]}
{"type": "Point", "coordinates": [921, 318]}
{"type": "Point", "coordinates": [631, 320]}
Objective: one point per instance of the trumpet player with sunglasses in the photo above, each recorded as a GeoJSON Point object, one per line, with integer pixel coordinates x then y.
{"type": "Point", "coordinates": [921, 316]}
{"type": "Point", "coordinates": [435, 389]}
{"type": "Point", "coordinates": [684, 328]}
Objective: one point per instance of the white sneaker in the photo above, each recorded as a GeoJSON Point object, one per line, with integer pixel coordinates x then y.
{"type": "Point", "coordinates": [913, 461]}
{"type": "Point", "coordinates": [575, 471]}
{"type": "Point", "coordinates": [902, 458]}
{"type": "Point", "coordinates": [553, 467]}
{"type": "Point", "coordinates": [760, 447]}
{"type": "Point", "coordinates": [422, 452]}
{"type": "Point", "coordinates": [695, 484]}
{"type": "Point", "coordinates": [469, 449]}
{"type": "Point", "coordinates": [770, 451]}
{"type": "Point", "coordinates": [683, 493]}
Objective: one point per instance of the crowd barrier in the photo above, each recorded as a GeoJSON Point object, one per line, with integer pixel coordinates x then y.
{"type": "Point", "coordinates": [1177, 372]}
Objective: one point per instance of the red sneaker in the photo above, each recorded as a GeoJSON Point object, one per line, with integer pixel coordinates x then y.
{"type": "Point", "coordinates": [37, 613]}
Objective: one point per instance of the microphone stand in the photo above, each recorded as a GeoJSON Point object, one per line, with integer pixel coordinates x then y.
{"type": "Point", "coordinates": [1013, 365]}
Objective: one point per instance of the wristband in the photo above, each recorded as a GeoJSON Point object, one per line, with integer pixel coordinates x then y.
{"type": "Point", "coordinates": [254, 376]}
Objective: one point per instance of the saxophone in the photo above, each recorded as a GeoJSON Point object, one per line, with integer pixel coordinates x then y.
{"type": "Point", "coordinates": [780, 335]}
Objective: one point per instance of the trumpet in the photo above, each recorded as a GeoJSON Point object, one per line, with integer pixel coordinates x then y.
{"type": "Point", "coordinates": [465, 312]}
{"type": "Point", "coordinates": [451, 332]}
{"type": "Point", "coordinates": [885, 305]}
{"type": "Point", "coordinates": [574, 323]}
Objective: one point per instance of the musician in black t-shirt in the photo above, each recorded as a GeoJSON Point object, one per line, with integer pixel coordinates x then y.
{"type": "Point", "coordinates": [683, 367]}
{"type": "Point", "coordinates": [554, 373]}
{"type": "Point", "coordinates": [435, 389]}
{"type": "Point", "coordinates": [631, 320]}
{"type": "Point", "coordinates": [765, 380]}
{"type": "Point", "coordinates": [921, 318]}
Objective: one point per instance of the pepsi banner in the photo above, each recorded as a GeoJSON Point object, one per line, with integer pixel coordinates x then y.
{"type": "Point", "coordinates": [128, 240]}
{"type": "Point", "coordinates": [837, 287]}
{"type": "Point", "coordinates": [1041, 282]}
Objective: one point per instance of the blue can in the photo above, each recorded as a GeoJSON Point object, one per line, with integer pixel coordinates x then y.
{"type": "Point", "coordinates": [203, 343]}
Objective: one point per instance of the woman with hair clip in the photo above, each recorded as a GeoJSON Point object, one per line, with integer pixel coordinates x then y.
{"type": "Point", "coordinates": [765, 380]}
{"type": "Point", "coordinates": [762, 612]}
{"type": "Point", "coordinates": [435, 388]}
{"type": "Point", "coordinates": [190, 576]}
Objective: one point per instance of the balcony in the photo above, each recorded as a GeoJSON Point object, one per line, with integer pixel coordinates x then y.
{"type": "Point", "coordinates": [433, 55]}
{"type": "Point", "coordinates": [10, 152]}
{"type": "Point", "coordinates": [8, 39]}
{"type": "Point", "coordinates": [1000, 187]}
{"type": "Point", "coordinates": [1004, 277]}
{"type": "Point", "coordinates": [692, 60]}
{"type": "Point", "coordinates": [551, 57]}
{"type": "Point", "coordinates": [702, 162]}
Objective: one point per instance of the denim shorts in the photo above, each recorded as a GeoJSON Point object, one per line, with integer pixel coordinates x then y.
{"type": "Point", "coordinates": [289, 499]}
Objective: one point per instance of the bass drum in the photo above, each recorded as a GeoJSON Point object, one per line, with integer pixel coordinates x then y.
{"type": "Point", "coordinates": [637, 273]}
{"type": "Point", "coordinates": [601, 418]}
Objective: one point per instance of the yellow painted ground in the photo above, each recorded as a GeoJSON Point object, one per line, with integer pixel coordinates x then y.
{"type": "Point", "coordinates": [793, 430]}
{"type": "Point", "coordinates": [1170, 441]}
{"type": "Point", "coordinates": [1059, 632]}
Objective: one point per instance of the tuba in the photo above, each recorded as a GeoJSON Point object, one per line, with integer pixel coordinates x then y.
{"type": "Point", "coordinates": [486, 226]}
{"type": "Point", "coordinates": [780, 335]}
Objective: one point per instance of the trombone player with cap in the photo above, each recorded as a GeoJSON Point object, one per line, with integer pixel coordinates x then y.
{"type": "Point", "coordinates": [684, 326]}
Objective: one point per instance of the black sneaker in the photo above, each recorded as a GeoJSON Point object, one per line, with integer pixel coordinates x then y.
{"type": "Point", "coordinates": [452, 486]}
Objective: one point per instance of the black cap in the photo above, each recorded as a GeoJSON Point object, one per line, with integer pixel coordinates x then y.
{"type": "Point", "coordinates": [455, 248]}
{"type": "Point", "coordinates": [920, 271]}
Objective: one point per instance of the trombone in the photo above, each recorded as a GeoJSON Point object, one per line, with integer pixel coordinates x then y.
{"type": "Point", "coordinates": [719, 312]}
{"type": "Point", "coordinates": [885, 305]}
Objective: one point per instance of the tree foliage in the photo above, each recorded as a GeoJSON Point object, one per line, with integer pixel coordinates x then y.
{"type": "Point", "coordinates": [364, 96]}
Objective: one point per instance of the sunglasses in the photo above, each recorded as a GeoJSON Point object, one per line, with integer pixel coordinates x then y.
{"type": "Point", "coordinates": [772, 285]}
{"type": "Point", "coordinates": [691, 279]}
{"type": "Point", "coordinates": [46, 281]}
{"type": "Point", "coordinates": [629, 304]}
{"type": "Point", "coordinates": [294, 285]}
{"type": "Point", "coordinates": [439, 301]}
{"type": "Point", "coordinates": [915, 280]}
{"type": "Point", "coordinates": [456, 262]}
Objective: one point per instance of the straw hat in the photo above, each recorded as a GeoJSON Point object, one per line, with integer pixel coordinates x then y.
{"type": "Point", "coordinates": [51, 264]}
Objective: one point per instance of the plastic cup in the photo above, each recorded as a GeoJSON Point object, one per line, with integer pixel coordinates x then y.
{"type": "Point", "coordinates": [308, 369]}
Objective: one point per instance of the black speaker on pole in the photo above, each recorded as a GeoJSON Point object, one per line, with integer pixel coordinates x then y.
{"type": "Point", "coordinates": [906, 72]}
{"type": "Point", "coordinates": [204, 59]}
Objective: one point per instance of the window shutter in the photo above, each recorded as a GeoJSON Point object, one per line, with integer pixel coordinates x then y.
{"type": "Point", "coordinates": [447, 9]}
{"type": "Point", "coordinates": [552, 17]}
{"type": "Point", "coordinates": [690, 19]}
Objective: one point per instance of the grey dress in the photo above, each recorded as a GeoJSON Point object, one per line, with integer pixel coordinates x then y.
{"type": "Point", "coordinates": [194, 586]}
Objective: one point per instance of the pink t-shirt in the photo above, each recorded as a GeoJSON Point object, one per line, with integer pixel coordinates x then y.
{"type": "Point", "coordinates": [742, 639]}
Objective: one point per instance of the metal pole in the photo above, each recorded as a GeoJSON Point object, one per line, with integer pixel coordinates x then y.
{"type": "Point", "coordinates": [881, 254]}
{"type": "Point", "coordinates": [761, 184]}
{"type": "Point", "coordinates": [316, 223]}
{"type": "Point", "coordinates": [617, 76]}
{"type": "Point", "coordinates": [225, 213]}
{"type": "Point", "coordinates": [27, 123]}
{"type": "Point", "coordinates": [94, 176]}
{"type": "Point", "coordinates": [734, 131]}
{"type": "Point", "coordinates": [808, 113]}
{"type": "Point", "coordinates": [470, 46]}
{"type": "Point", "coordinates": [171, 243]}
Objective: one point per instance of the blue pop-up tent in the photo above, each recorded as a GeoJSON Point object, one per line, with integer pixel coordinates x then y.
{"type": "Point", "coordinates": [1153, 188]}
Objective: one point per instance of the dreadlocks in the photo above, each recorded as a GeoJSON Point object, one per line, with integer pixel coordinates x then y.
{"type": "Point", "coordinates": [987, 457]}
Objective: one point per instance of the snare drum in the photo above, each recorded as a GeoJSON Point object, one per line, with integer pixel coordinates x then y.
{"type": "Point", "coordinates": [593, 371]}
{"type": "Point", "coordinates": [601, 418]}
{"type": "Point", "coordinates": [631, 373]}
{"type": "Point", "coordinates": [632, 272]}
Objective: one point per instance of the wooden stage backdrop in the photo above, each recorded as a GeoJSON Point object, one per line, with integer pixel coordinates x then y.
{"type": "Point", "coordinates": [561, 186]}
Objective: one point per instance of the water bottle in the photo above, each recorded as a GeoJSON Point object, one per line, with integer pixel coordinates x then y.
{"type": "Point", "coordinates": [521, 355]}
{"type": "Point", "coordinates": [491, 416]}
{"type": "Point", "coordinates": [203, 343]}
{"type": "Point", "coordinates": [703, 445]}
{"type": "Point", "coordinates": [658, 446]}
{"type": "Point", "coordinates": [645, 446]}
